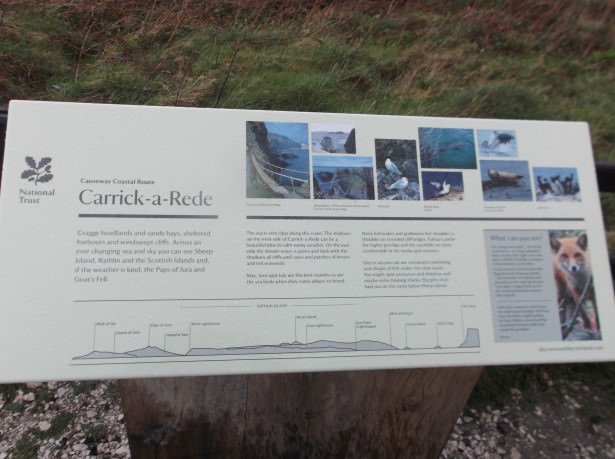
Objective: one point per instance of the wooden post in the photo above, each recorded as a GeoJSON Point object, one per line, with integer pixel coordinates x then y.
{"type": "Point", "coordinates": [384, 413]}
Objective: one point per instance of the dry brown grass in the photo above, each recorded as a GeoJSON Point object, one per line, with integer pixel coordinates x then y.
{"type": "Point", "coordinates": [580, 24]}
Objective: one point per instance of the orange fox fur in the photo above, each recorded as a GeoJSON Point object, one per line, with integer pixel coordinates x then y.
{"type": "Point", "coordinates": [573, 272]}
{"type": "Point", "coordinates": [571, 265]}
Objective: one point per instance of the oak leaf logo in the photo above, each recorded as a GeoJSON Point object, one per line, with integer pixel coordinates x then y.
{"type": "Point", "coordinates": [39, 172]}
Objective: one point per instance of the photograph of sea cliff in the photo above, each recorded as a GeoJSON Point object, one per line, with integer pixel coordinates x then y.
{"type": "Point", "coordinates": [397, 170]}
{"type": "Point", "coordinates": [497, 143]}
{"type": "Point", "coordinates": [277, 160]}
{"type": "Point", "coordinates": [343, 177]}
{"type": "Point", "coordinates": [557, 184]}
{"type": "Point", "coordinates": [505, 180]}
{"type": "Point", "coordinates": [445, 148]}
{"type": "Point", "coordinates": [442, 186]}
{"type": "Point", "coordinates": [333, 138]}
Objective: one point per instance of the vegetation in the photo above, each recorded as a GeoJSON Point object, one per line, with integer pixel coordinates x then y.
{"type": "Point", "coordinates": [542, 381]}
{"type": "Point", "coordinates": [28, 444]}
{"type": "Point", "coordinates": [527, 59]}
{"type": "Point", "coordinates": [504, 59]}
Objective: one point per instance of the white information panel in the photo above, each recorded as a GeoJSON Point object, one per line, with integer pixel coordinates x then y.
{"type": "Point", "coordinates": [149, 241]}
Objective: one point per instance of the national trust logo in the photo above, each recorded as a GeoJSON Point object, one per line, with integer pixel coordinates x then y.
{"type": "Point", "coordinates": [38, 172]}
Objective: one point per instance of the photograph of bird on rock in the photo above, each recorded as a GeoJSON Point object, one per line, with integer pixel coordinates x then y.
{"type": "Point", "coordinates": [397, 170]}
{"type": "Point", "coordinates": [442, 186]}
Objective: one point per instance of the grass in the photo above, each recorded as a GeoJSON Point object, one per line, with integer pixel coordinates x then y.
{"type": "Point", "coordinates": [8, 391]}
{"type": "Point", "coordinates": [26, 447]}
{"type": "Point", "coordinates": [94, 433]}
{"type": "Point", "coordinates": [442, 59]}
{"type": "Point", "coordinates": [491, 387]}
{"type": "Point", "coordinates": [58, 424]}
{"type": "Point", "coordinates": [28, 444]}
{"type": "Point", "coordinates": [547, 60]}
{"type": "Point", "coordinates": [534, 380]}
{"type": "Point", "coordinates": [84, 387]}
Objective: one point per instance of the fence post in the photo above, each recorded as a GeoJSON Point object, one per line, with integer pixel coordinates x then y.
{"type": "Point", "coordinates": [383, 413]}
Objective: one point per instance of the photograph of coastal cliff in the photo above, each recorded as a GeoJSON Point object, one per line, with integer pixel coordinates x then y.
{"type": "Point", "coordinates": [497, 143]}
{"type": "Point", "coordinates": [557, 184]}
{"type": "Point", "coordinates": [442, 186]}
{"type": "Point", "coordinates": [397, 170]}
{"type": "Point", "coordinates": [444, 148]}
{"type": "Point", "coordinates": [343, 177]}
{"type": "Point", "coordinates": [505, 180]}
{"type": "Point", "coordinates": [277, 160]}
{"type": "Point", "coordinates": [333, 138]}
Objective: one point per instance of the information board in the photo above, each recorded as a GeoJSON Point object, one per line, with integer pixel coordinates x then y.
{"type": "Point", "coordinates": [149, 241]}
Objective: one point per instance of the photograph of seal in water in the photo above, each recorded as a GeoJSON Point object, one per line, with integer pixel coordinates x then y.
{"type": "Point", "coordinates": [497, 143]}
{"type": "Point", "coordinates": [505, 180]}
{"type": "Point", "coordinates": [447, 148]}
{"type": "Point", "coordinates": [557, 184]}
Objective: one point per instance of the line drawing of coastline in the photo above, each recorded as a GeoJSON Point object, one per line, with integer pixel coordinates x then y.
{"type": "Point", "coordinates": [472, 340]}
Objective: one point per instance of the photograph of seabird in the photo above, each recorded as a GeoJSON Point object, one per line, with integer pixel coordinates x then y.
{"type": "Point", "coordinates": [277, 160]}
{"type": "Point", "coordinates": [497, 143]}
{"type": "Point", "coordinates": [446, 148]}
{"type": "Point", "coordinates": [442, 186]}
{"type": "Point", "coordinates": [557, 184]}
{"type": "Point", "coordinates": [400, 184]}
{"type": "Point", "coordinates": [391, 167]}
{"type": "Point", "coordinates": [343, 177]}
{"type": "Point", "coordinates": [333, 138]}
{"type": "Point", "coordinates": [397, 170]}
{"type": "Point", "coordinates": [505, 180]}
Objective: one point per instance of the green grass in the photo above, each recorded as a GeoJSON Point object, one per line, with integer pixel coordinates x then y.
{"type": "Point", "coordinates": [84, 387]}
{"type": "Point", "coordinates": [8, 391]}
{"type": "Point", "coordinates": [28, 444]}
{"type": "Point", "coordinates": [94, 433]}
{"type": "Point", "coordinates": [26, 447]}
{"type": "Point", "coordinates": [58, 424]}
{"type": "Point", "coordinates": [441, 59]}
{"type": "Point", "coordinates": [547, 384]}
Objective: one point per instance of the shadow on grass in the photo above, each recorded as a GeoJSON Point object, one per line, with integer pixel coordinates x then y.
{"type": "Point", "coordinates": [537, 381]}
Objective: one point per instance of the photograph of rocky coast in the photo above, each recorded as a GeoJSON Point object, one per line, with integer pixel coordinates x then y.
{"type": "Point", "coordinates": [277, 160]}
{"type": "Point", "coordinates": [333, 138]}
{"type": "Point", "coordinates": [343, 177]}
